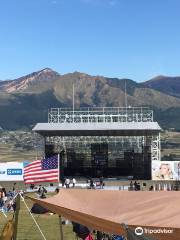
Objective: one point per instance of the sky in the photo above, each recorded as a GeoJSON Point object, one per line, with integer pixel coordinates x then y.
{"type": "Point", "coordinates": [136, 39]}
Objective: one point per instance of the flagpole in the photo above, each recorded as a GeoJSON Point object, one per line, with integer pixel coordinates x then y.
{"type": "Point", "coordinates": [58, 169]}
{"type": "Point", "coordinates": [60, 219]}
{"type": "Point", "coordinates": [73, 102]}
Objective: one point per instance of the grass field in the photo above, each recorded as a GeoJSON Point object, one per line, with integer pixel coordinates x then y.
{"type": "Point", "coordinates": [170, 145]}
{"type": "Point", "coordinates": [27, 230]}
{"type": "Point", "coordinates": [9, 153]}
{"type": "Point", "coordinates": [50, 223]}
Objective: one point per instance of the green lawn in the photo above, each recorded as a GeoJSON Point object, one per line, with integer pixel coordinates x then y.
{"type": "Point", "coordinates": [8, 153]}
{"type": "Point", "coordinates": [27, 229]}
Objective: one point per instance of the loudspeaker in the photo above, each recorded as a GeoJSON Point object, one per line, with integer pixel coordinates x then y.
{"type": "Point", "coordinates": [49, 150]}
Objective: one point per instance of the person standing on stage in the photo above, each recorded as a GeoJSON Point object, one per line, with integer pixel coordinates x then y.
{"type": "Point", "coordinates": [74, 182]}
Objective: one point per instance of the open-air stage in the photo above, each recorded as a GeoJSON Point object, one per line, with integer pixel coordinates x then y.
{"type": "Point", "coordinates": [108, 142]}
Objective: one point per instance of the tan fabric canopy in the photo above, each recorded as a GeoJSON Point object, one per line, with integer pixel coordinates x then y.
{"type": "Point", "coordinates": [107, 210]}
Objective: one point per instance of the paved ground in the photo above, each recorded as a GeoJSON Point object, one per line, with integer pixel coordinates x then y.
{"type": "Point", "coordinates": [117, 184]}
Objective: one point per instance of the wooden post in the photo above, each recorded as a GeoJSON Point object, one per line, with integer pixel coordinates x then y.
{"type": "Point", "coordinates": [16, 216]}
{"type": "Point", "coordinates": [60, 228]}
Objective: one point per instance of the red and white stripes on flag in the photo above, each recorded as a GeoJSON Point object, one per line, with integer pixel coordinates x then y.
{"type": "Point", "coordinates": [45, 170]}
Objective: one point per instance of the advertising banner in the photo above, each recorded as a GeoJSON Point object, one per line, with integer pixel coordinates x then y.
{"type": "Point", "coordinates": [11, 171]}
{"type": "Point", "coordinates": [165, 170]}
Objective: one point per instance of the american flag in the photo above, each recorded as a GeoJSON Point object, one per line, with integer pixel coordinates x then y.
{"type": "Point", "coordinates": [45, 170]}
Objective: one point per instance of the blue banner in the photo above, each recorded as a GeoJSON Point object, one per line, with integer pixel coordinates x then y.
{"type": "Point", "coordinates": [14, 171]}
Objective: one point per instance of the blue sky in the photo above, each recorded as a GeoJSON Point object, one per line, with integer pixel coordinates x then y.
{"type": "Point", "coordinates": [137, 39]}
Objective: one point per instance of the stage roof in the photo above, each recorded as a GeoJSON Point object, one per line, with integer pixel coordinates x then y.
{"type": "Point", "coordinates": [98, 129]}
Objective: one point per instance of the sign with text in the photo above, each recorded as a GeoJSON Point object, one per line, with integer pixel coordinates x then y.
{"type": "Point", "coordinates": [11, 171]}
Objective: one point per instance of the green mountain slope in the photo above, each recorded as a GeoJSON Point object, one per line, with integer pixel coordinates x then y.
{"type": "Point", "coordinates": [165, 84]}
{"type": "Point", "coordinates": [25, 101]}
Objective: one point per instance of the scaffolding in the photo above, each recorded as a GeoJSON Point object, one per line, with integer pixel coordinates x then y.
{"type": "Point", "coordinates": [100, 115]}
{"type": "Point", "coordinates": [115, 140]}
{"type": "Point", "coordinates": [107, 115]}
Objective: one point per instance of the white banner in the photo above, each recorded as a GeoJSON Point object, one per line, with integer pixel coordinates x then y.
{"type": "Point", "coordinates": [165, 170]}
{"type": "Point", "coordinates": [11, 171]}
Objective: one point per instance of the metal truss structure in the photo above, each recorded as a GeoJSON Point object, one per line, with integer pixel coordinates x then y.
{"type": "Point", "coordinates": [122, 142]}
{"type": "Point", "coordinates": [105, 114]}
{"type": "Point", "coordinates": [156, 147]}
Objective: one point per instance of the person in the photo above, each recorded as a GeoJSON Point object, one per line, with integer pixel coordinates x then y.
{"type": "Point", "coordinates": [14, 187]}
{"type": "Point", "coordinates": [99, 235]}
{"type": "Point", "coordinates": [4, 194]}
{"type": "Point", "coordinates": [63, 181]}
{"type": "Point", "coordinates": [164, 172]}
{"type": "Point", "coordinates": [135, 186]}
{"type": "Point", "coordinates": [101, 182]}
{"type": "Point", "coordinates": [143, 187]}
{"type": "Point", "coordinates": [89, 237]}
{"type": "Point", "coordinates": [131, 186]}
{"type": "Point", "coordinates": [32, 186]}
{"type": "Point", "coordinates": [138, 186]}
{"type": "Point", "coordinates": [87, 183]}
{"type": "Point", "coordinates": [57, 190]}
{"type": "Point", "coordinates": [1, 199]}
{"type": "Point", "coordinates": [40, 189]}
{"type": "Point", "coordinates": [74, 182]}
{"type": "Point", "coordinates": [91, 183]}
{"type": "Point", "coordinates": [151, 188]}
{"type": "Point", "coordinates": [43, 193]}
{"type": "Point", "coordinates": [67, 182]}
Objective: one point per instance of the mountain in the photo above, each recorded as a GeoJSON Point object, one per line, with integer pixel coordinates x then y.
{"type": "Point", "coordinates": [101, 91]}
{"type": "Point", "coordinates": [26, 100]}
{"type": "Point", "coordinates": [165, 84]}
{"type": "Point", "coordinates": [29, 81]}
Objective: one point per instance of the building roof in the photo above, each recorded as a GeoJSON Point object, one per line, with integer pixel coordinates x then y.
{"type": "Point", "coordinates": [97, 129]}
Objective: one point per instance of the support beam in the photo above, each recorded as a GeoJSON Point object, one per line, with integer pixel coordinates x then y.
{"type": "Point", "coordinates": [60, 228]}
